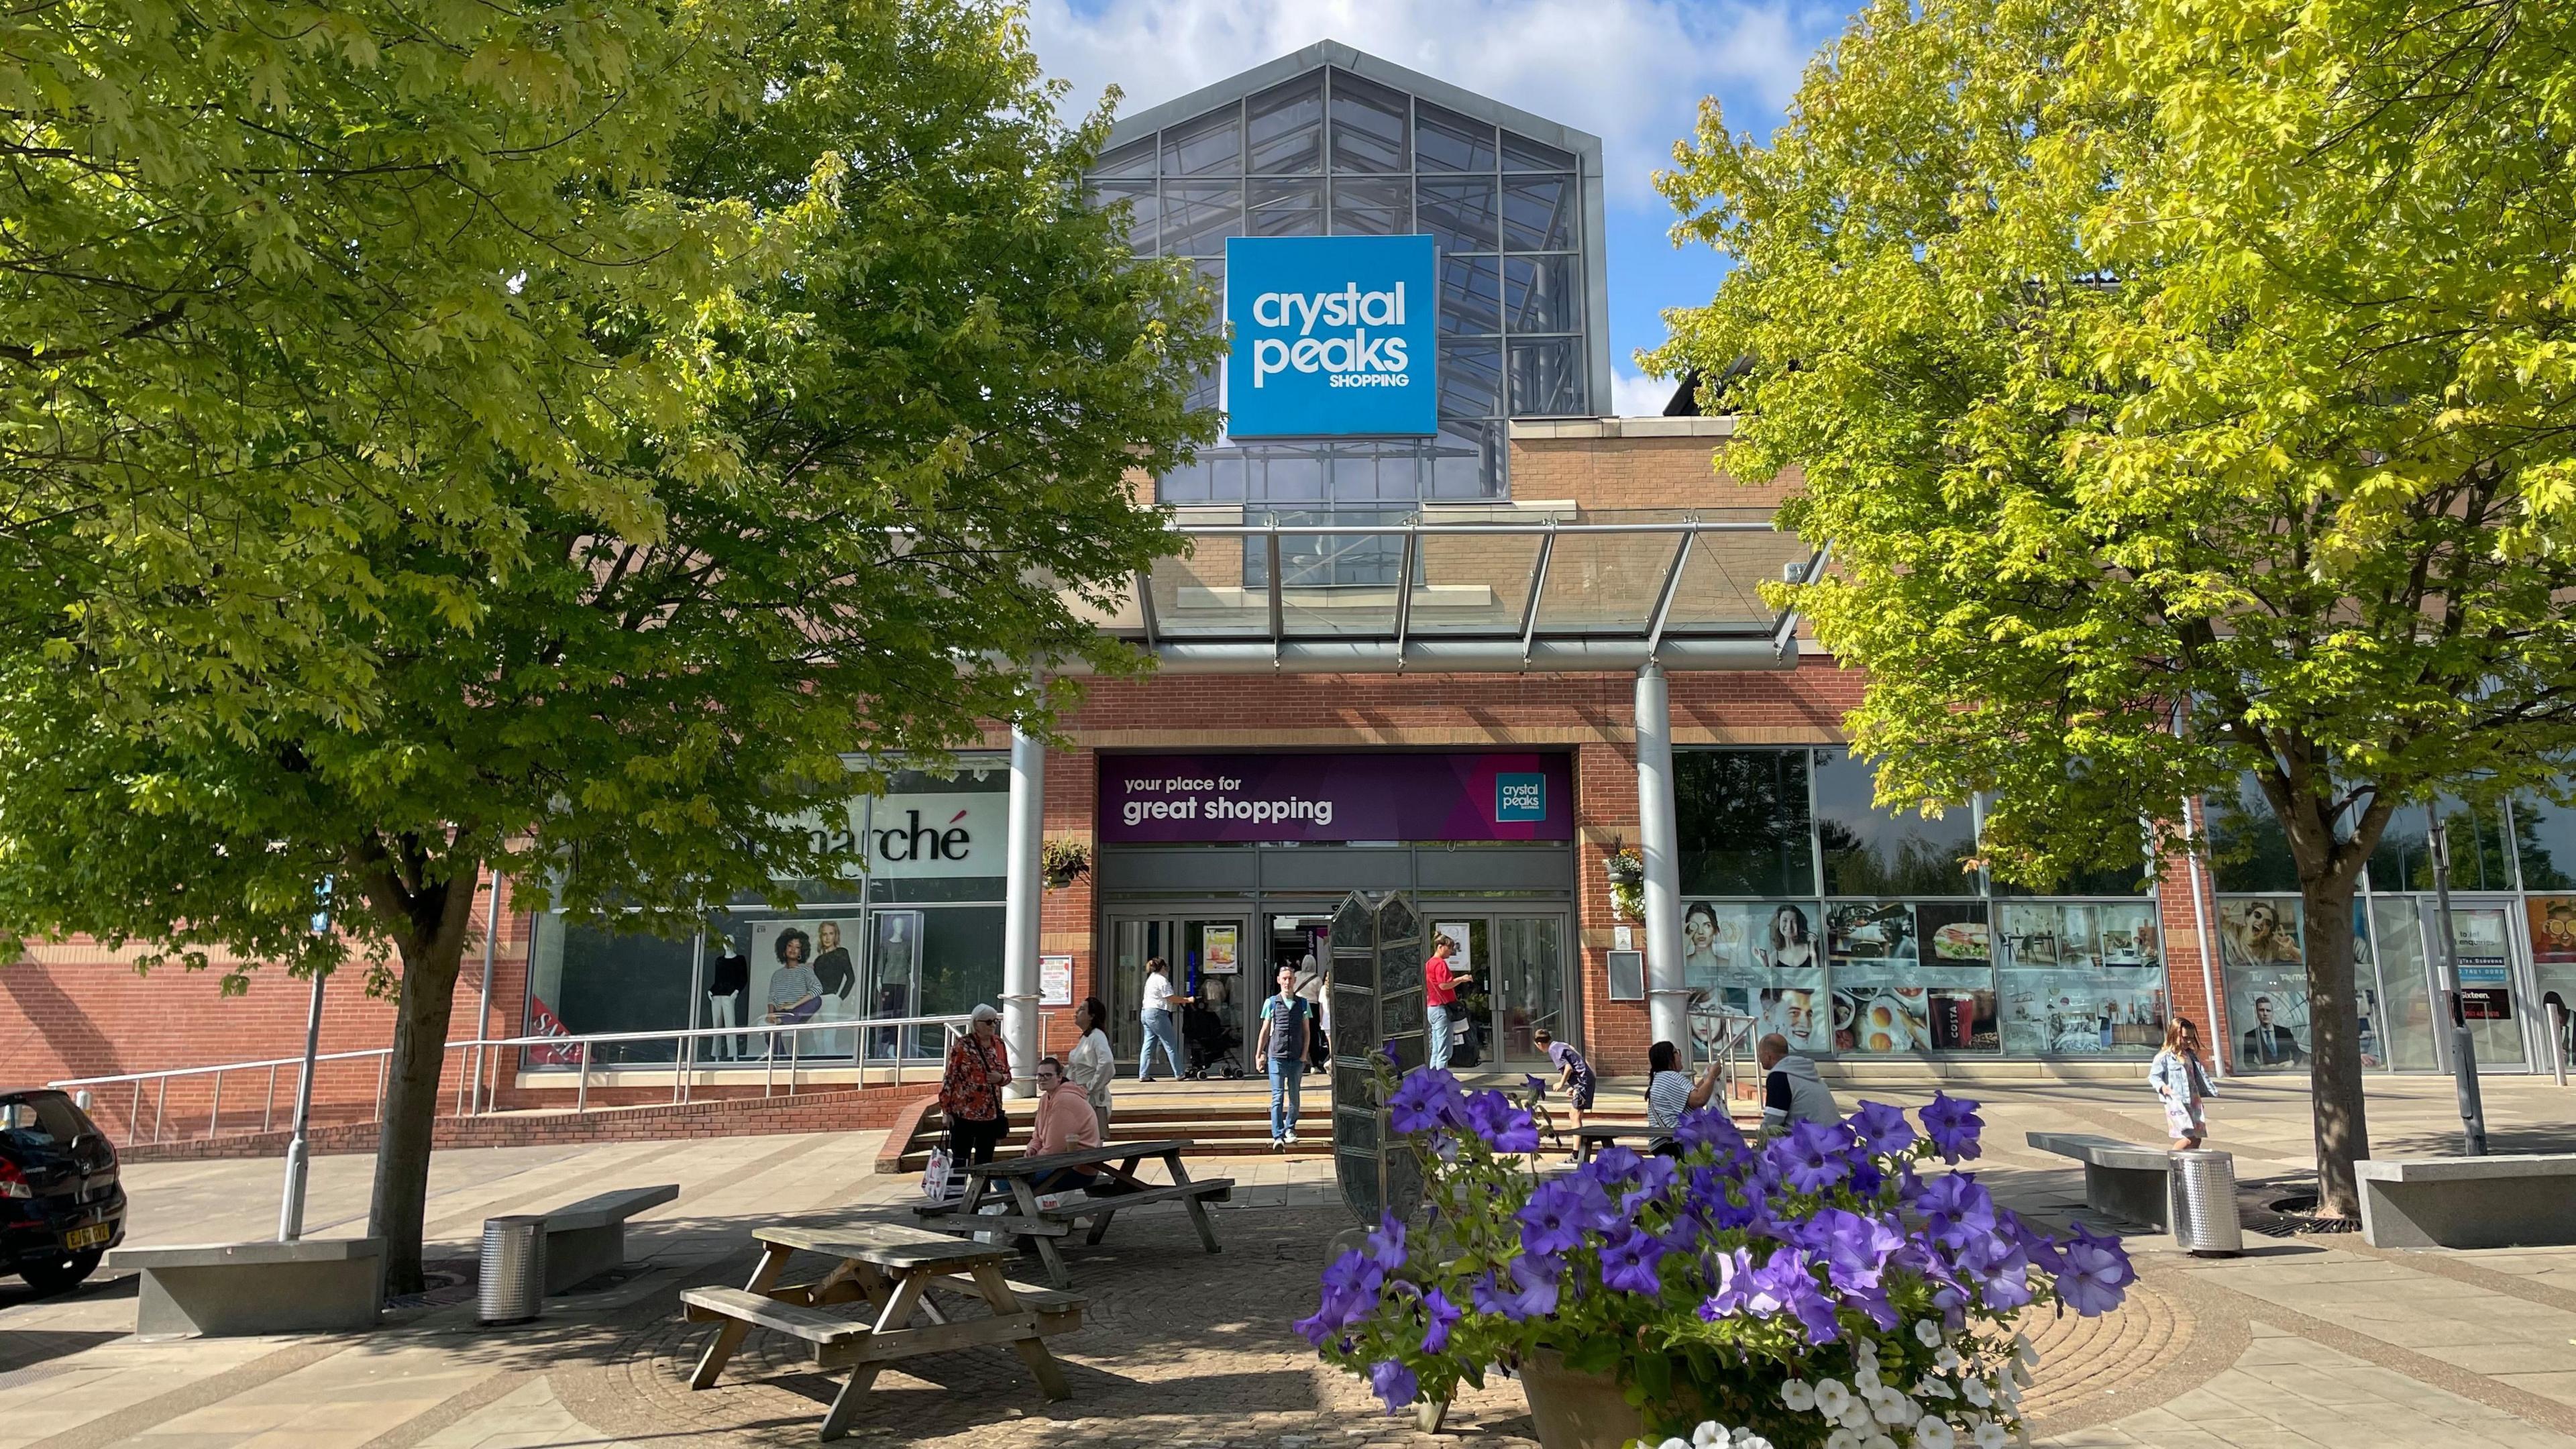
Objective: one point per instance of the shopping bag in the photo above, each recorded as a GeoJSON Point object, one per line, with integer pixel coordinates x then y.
{"type": "Point", "coordinates": [934, 1178]}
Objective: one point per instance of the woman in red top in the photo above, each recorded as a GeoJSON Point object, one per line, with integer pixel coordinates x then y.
{"type": "Point", "coordinates": [979, 1068]}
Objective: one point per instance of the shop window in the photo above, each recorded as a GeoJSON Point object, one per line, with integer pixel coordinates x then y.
{"type": "Point", "coordinates": [2262, 948]}
{"type": "Point", "coordinates": [2553, 963]}
{"type": "Point", "coordinates": [1760, 959]}
{"type": "Point", "coordinates": [2080, 978]}
{"type": "Point", "coordinates": [2481, 852]}
{"type": "Point", "coordinates": [2248, 848]}
{"type": "Point", "coordinates": [583, 979]}
{"type": "Point", "coordinates": [961, 966]}
{"type": "Point", "coordinates": [2544, 841]}
{"type": "Point", "coordinates": [1869, 851]}
{"type": "Point", "coordinates": [1744, 823]}
{"type": "Point", "coordinates": [2402, 1024]}
{"type": "Point", "coordinates": [1911, 977]}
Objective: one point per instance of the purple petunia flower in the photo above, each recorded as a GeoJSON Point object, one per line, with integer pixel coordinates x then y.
{"type": "Point", "coordinates": [1784, 1284]}
{"type": "Point", "coordinates": [1953, 1125]}
{"type": "Point", "coordinates": [1708, 1127]}
{"type": "Point", "coordinates": [1882, 1129]}
{"type": "Point", "coordinates": [1812, 1156]}
{"type": "Point", "coordinates": [1505, 1127]}
{"type": "Point", "coordinates": [1612, 1165]}
{"type": "Point", "coordinates": [1629, 1262]}
{"type": "Point", "coordinates": [1955, 1208]}
{"type": "Point", "coordinates": [1536, 1084]}
{"type": "Point", "coordinates": [1394, 1383]}
{"type": "Point", "coordinates": [2097, 1271]}
{"type": "Point", "coordinates": [1855, 1247]}
{"type": "Point", "coordinates": [1439, 1315]}
{"type": "Point", "coordinates": [1560, 1212]}
{"type": "Point", "coordinates": [1532, 1293]}
{"type": "Point", "coordinates": [1427, 1100]}
{"type": "Point", "coordinates": [1385, 1246]}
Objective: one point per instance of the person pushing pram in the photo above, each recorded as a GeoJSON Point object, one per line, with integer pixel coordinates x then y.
{"type": "Point", "coordinates": [1214, 1043]}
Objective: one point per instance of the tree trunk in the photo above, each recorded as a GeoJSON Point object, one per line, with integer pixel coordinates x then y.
{"type": "Point", "coordinates": [2334, 1044]}
{"type": "Point", "coordinates": [431, 953]}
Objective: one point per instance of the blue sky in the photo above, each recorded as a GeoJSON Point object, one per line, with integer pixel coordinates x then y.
{"type": "Point", "coordinates": [1630, 71]}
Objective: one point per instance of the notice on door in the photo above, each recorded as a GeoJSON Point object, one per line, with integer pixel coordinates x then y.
{"type": "Point", "coordinates": [1217, 946]}
{"type": "Point", "coordinates": [1462, 956]}
{"type": "Point", "coordinates": [1055, 981]}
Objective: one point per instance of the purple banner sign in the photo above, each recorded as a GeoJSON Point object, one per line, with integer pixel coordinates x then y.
{"type": "Point", "coordinates": [1164, 799]}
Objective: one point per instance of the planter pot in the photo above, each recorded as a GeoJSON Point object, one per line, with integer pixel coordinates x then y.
{"type": "Point", "coordinates": [1576, 1410]}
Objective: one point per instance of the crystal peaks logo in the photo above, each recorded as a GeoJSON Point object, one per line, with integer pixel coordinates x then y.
{"type": "Point", "coordinates": [1333, 336]}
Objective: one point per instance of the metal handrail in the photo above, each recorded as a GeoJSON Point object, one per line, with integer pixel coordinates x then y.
{"type": "Point", "coordinates": [475, 1092]}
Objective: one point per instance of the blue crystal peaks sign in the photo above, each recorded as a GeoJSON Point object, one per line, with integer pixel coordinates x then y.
{"type": "Point", "coordinates": [1334, 336]}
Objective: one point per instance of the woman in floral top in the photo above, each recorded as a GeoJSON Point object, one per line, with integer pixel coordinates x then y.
{"type": "Point", "coordinates": [979, 1068]}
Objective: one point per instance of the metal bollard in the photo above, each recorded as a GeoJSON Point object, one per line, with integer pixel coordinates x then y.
{"type": "Point", "coordinates": [512, 1287]}
{"type": "Point", "coordinates": [2558, 1041]}
{"type": "Point", "coordinates": [2201, 1189]}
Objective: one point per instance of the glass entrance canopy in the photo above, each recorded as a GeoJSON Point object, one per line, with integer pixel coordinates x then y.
{"type": "Point", "coordinates": [1454, 592]}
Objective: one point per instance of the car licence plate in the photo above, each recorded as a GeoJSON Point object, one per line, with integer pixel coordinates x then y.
{"type": "Point", "coordinates": [89, 1237]}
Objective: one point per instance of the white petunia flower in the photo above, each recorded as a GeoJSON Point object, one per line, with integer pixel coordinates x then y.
{"type": "Point", "coordinates": [1675, 1444]}
{"type": "Point", "coordinates": [1933, 1388]}
{"type": "Point", "coordinates": [1752, 1441]}
{"type": "Point", "coordinates": [1976, 1392]}
{"type": "Point", "coordinates": [1711, 1435]}
{"type": "Point", "coordinates": [1898, 1410]}
{"type": "Point", "coordinates": [1832, 1398]}
{"type": "Point", "coordinates": [1927, 1333]}
{"type": "Point", "coordinates": [1865, 1377]}
{"type": "Point", "coordinates": [2024, 1350]}
{"type": "Point", "coordinates": [1855, 1418]}
{"type": "Point", "coordinates": [2020, 1374]}
{"type": "Point", "coordinates": [1878, 1441]}
{"type": "Point", "coordinates": [1842, 1439]}
{"type": "Point", "coordinates": [1798, 1395]}
{"type": "Point", "coordinates": [1934, 1434]}
{"type": "Point", "coordinates": [1992, 1436]}
{"type": "Point", "coordinates": [1947, 1360]}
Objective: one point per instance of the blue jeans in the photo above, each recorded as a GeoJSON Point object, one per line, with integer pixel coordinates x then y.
{"type": "Point", "coordinates": [1444, 1036]}
{"type": "Point", "coordinates": [1159, 1031]}
{"type": "Point", "coordinates": [1287, 1086]}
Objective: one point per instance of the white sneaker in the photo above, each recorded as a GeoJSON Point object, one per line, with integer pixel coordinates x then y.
{"type": "Point", "coordinates": [1292, 1139]}
{"type": "Point", "coordinates": [1276, 1143]}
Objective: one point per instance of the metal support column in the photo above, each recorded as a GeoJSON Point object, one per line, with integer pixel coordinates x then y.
{"type": "Point", "coordinates": [1024, 897]}
{"type": "Point", "coordinates": [1668, 1000]}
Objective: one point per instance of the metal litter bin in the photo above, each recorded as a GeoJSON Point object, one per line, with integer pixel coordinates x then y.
{"type": "Point", "coordinates": [2202, 1196]}
{"type": "Point", "coordinates": [512, 1283]}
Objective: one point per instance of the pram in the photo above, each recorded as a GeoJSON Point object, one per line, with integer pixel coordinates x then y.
{"type": "Point", "coordinates": [1213, 1043]}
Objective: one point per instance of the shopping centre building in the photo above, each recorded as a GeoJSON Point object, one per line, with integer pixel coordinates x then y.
{"type": "Point", "coordinates": [1480, 649]}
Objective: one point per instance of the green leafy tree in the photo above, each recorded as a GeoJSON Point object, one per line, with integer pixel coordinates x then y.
{"type": "Point", "coordinates": [2187, 389]}
{"type": "Point", "coordinates": [892, 472]}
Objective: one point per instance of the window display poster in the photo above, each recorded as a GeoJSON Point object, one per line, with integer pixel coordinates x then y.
{"type": "Point", "coordinates": [2130, 936]}
{"type": "Point", "coordinates": [802, 971]}
{"type": "Point", "coordinates": [1799, 1013]}
{"type": "Point", "coordinates": [2269, 1006]}
{"type": "Point", "coordinates": [2036, 936]}
{"type": "Point", "coordinates": [2553, 929]}
{"type": "Point", "coordinates": [1870, 931]}
{"type": "Point", "coordinates": [2486, 992]}
{"type": "Point", "coordinates": [2082, 1013]}
{"type": "Point", "coordinates": [1217, 951]}
{"type": "Point", "coordinates": [1055, 981]}
{"type": "Point", "coordinates": [1955, 936]}
{"type": "Point", "coordinates": [1462, 952]}
{"type": "Point", "coordinates": [1741, 943]}
{"type": "Point", "coordinates": [2260, 932]}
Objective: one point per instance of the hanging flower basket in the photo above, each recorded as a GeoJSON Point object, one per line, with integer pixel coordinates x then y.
{"type": "Point", "coordinates": [1627, 870]}
{"type": "Point", "coordinates": [1063, 862]}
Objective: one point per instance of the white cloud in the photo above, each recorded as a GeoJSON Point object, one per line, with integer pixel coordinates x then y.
{"type": "Point", "coordinates": [1629, 71]}
{"type": "Point", "coordinates": [1635, 395]}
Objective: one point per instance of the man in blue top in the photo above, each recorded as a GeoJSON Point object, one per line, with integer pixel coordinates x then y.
{"type": "Point", "coordinates": [1282, 1047]}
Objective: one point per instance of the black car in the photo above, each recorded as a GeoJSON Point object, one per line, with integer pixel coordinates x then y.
{"type": "Point", "coordinates": [61, 1206]}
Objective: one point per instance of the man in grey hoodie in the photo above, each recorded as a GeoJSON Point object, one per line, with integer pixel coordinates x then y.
{"type": "Point", "coordinates": [1791, 1090]}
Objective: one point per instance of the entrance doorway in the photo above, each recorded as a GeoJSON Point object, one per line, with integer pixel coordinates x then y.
{"type": "Point", "coordinates": [1521, 982]}
{"type": "Point", "coordinates": [1212, 957]}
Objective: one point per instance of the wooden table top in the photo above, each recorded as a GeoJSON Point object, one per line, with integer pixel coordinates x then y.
{"type": "Point", "coordinates": [887, 1245]}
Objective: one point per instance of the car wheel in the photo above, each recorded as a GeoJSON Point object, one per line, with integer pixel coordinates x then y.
{"type": "Point", "coordinates": [61, 1276]}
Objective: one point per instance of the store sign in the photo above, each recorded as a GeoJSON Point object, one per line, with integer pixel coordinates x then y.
{"type": "Point", "coordinates": [1334, 336]}
{"type": "Point", "coordinates": [911, 836]}
{"type": "Point", "coordinates": [1165, 799]}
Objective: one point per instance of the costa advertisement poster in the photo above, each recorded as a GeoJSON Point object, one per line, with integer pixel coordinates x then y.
{"type": "Point", "coordinates": [1334, 336]}
{"type": "Point", "coordinates": [1485, 795]}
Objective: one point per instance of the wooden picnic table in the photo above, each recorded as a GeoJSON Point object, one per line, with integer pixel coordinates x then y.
{"type": "Point", "coordinates": [894, 1268]}
{"type": "Point", "coordinates": [1011, 1186]}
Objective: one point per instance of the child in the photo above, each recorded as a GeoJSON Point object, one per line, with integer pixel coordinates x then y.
{"type": "Point", "coordinates": [1572, 1073]}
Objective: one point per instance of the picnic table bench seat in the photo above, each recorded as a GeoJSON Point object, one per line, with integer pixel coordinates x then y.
{"type": "Point", "coordinates": [1010, 1186]}
{"type": "Point", "coordinates": [895, 1268]}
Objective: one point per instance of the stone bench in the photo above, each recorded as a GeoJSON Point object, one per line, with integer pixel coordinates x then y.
{"type": "Point", "coordinates": [2123, 1179]}
{"type": "Point", "coordinates": [215, 1290]}
{"type": "Point", "coordinates": [2510, 1201]}
{"type": "Point", "coordinates": [588, 1238]}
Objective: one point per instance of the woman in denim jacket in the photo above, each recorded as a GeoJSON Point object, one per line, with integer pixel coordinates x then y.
{"type": "Point", "coordinates": [2181, 1083]}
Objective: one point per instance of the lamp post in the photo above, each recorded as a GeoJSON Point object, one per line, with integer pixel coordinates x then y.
{"type": "Point", "coordinates": [290, 1209]}
{"type": "Point", "coordinates": [2464, 1046]}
